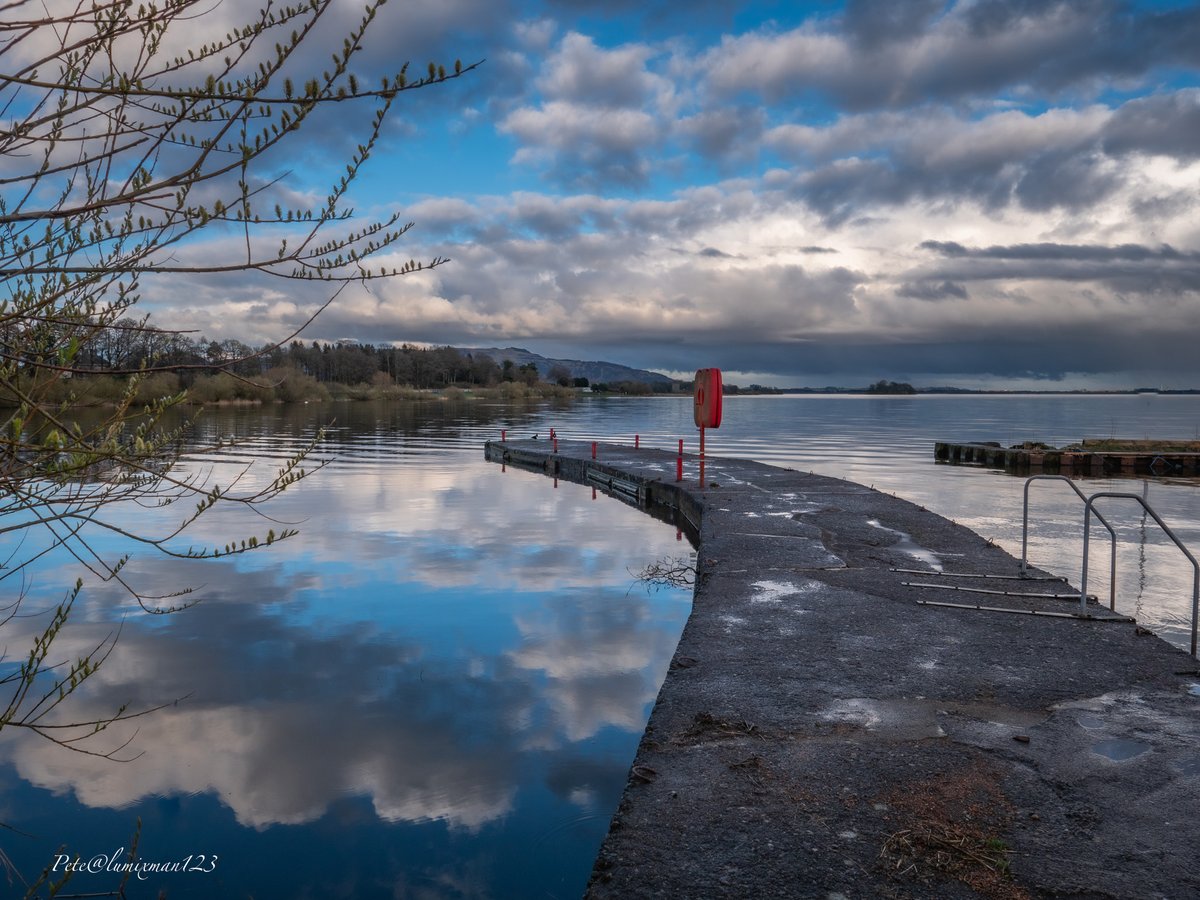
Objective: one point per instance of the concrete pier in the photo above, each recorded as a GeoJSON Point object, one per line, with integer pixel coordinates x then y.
{"type": "Point", "coordinates": [828, 728]}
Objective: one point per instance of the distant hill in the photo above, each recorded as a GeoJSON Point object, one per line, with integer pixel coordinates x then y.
{"type": "Point", "coordinates": [595, 372]}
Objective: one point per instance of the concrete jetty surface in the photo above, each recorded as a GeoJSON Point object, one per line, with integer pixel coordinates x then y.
{"type": "Point", "coordinates": [822, 733]}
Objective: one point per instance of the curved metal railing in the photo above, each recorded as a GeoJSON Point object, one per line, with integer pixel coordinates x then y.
{"type": "Point", "coordinates": [1112, 572]}
{"type": "Point", "coordinates": [1087, 518]}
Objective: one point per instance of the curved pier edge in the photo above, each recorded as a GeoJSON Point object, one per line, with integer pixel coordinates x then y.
{"type": "Point", "coordinates": [830, 727]}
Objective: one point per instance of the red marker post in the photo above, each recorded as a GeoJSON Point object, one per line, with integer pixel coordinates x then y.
{"type": "Point", "coordinates": [707, 397]}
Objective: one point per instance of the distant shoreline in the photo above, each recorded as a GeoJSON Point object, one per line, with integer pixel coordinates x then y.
{"type": "Point", "coordinates": [938, 391]}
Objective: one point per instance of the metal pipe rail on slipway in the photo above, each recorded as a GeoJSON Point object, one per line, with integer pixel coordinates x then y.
{"type": "Point", "coordinates": [1112, 572]}
{"type": "Point", "coordinates": [1087, 516]}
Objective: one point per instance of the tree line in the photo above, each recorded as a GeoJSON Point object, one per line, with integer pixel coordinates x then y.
{"type": "Point", "coordinates": [130, 347]}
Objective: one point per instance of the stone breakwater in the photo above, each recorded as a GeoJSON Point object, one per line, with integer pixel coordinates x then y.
{"type": "Point", "coordinates": [828, 728]}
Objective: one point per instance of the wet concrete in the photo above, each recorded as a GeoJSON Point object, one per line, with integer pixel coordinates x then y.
{"type": "Point", "coordinates": [821, 733]}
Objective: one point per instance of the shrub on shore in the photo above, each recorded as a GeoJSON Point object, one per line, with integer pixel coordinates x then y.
{"type": "Point", "coordinates": [282, 384]}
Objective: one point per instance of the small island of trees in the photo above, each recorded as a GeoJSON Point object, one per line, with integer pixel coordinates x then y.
{"type": "Point", "coordinates": [891, 387]}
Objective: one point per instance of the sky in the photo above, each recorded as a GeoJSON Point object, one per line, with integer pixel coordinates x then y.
{"type": "Point", "coordinates": [983, 193]}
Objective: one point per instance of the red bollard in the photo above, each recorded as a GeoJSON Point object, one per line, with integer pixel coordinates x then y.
{"type": "Point", "coordinates": [637, 441]}
{"type": "Point", "coordinates": [681, 446]}
{"type": "Point", "coordinates": [679, 468]}
{"type": "Point", "coordinates": [593, 493]}
{"type": "Point", "coordinates": [552, 434]}
{"type": "Point", "coordinates": [503, 435]}
{"type": "Point", "coordinates": [556, 445]}
{"type": "Point", "coordinates": [593, 449]}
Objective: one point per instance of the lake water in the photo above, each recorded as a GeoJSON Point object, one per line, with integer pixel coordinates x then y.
{"type": "Point", "coordinates": [437, 688]}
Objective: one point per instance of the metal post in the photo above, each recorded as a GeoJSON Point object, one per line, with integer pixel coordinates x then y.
{"type": "Point", "coordinates": [701, 456]}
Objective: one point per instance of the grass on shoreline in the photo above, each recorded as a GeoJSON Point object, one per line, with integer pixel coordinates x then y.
{"type": "Point", "coordinates": [280, 385]}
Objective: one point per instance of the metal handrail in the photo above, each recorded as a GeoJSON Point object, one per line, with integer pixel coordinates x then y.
{"type": "Point", "coordinates": [1112, 572]}
{"type": "Point", "coordinates": [1087, 515]}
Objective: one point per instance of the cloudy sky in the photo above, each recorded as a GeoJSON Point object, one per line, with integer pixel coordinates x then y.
{"type": "Point", "coordinates": [972, 192]}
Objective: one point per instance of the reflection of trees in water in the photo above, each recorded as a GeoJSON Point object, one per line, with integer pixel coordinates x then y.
{"type": "Point", "coordinates": [669, 572]}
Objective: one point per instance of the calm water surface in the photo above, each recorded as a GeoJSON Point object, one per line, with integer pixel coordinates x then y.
{"type": "Point", "coordinates": [437, 688]}
{"type": "Point", "coordinates": [887, 442]}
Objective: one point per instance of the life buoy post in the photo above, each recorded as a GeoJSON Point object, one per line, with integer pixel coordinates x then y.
{"type": "Point", "coordinates": [707, 396]}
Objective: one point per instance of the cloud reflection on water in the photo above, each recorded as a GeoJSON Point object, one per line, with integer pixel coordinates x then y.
{"type": "Point", "coordinates": [416, 639]}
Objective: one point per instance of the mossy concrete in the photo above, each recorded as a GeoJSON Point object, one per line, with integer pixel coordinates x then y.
{"type": "Point", "coordinates": [821, 733]}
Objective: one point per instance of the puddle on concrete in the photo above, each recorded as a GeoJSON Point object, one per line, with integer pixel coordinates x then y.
{"type": "Point", "coordinates": [809, 508]}
{"type": "Point", "coordinates": [996, 714]}
{"type": "Point", "coordinates": [898, 720]}
{"type": "Point", "coordinates": [908, 546]}
{"type": "Point", "coordinates": [775, 591]}
{"type": "Point", "coordinates": [1120, 749]}
{"type": "Point", "coordinates": [1189, 767]}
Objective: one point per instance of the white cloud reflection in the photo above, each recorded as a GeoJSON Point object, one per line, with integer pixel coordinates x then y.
{"type": "Point", "coordinates": [308, 673]}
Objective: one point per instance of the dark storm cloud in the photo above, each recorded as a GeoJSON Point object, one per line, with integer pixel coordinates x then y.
{"type": "Point", "coordinates": [926, 290]}
{"type": "Point", "coordinates": [547, 218]}
{"type": "Point", "coordinates": [1059, 159]}
{"type": "Point", "coordinates": [1062, 179]}
{"type": "Point", "coordinates": [729, 132]}
{"type": "Point", "coordinates": [874, 22]}
{"type": "Point", "coordinates": [971, 49]}
{"type": "Point", "coordinates": [438, 31]}
{"type": "Point", "coordinates": [1119, 38]}
{"type": "Point", "coordinates": [667, 14]}
{"type": "Point", "coordinates": [1127, 268]}
{"type": "Point", "coordinates": [1023, 350]}
{"type": "Point", "coordinates": [1168, 124]}
{"type": "Point", "coordinates": [1084, 252]}
{"type": "Point", "coordinates": [844, 189]}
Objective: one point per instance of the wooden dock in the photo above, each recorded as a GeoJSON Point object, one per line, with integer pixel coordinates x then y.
{"type": "Point", "coordinates": [1091, 457]}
